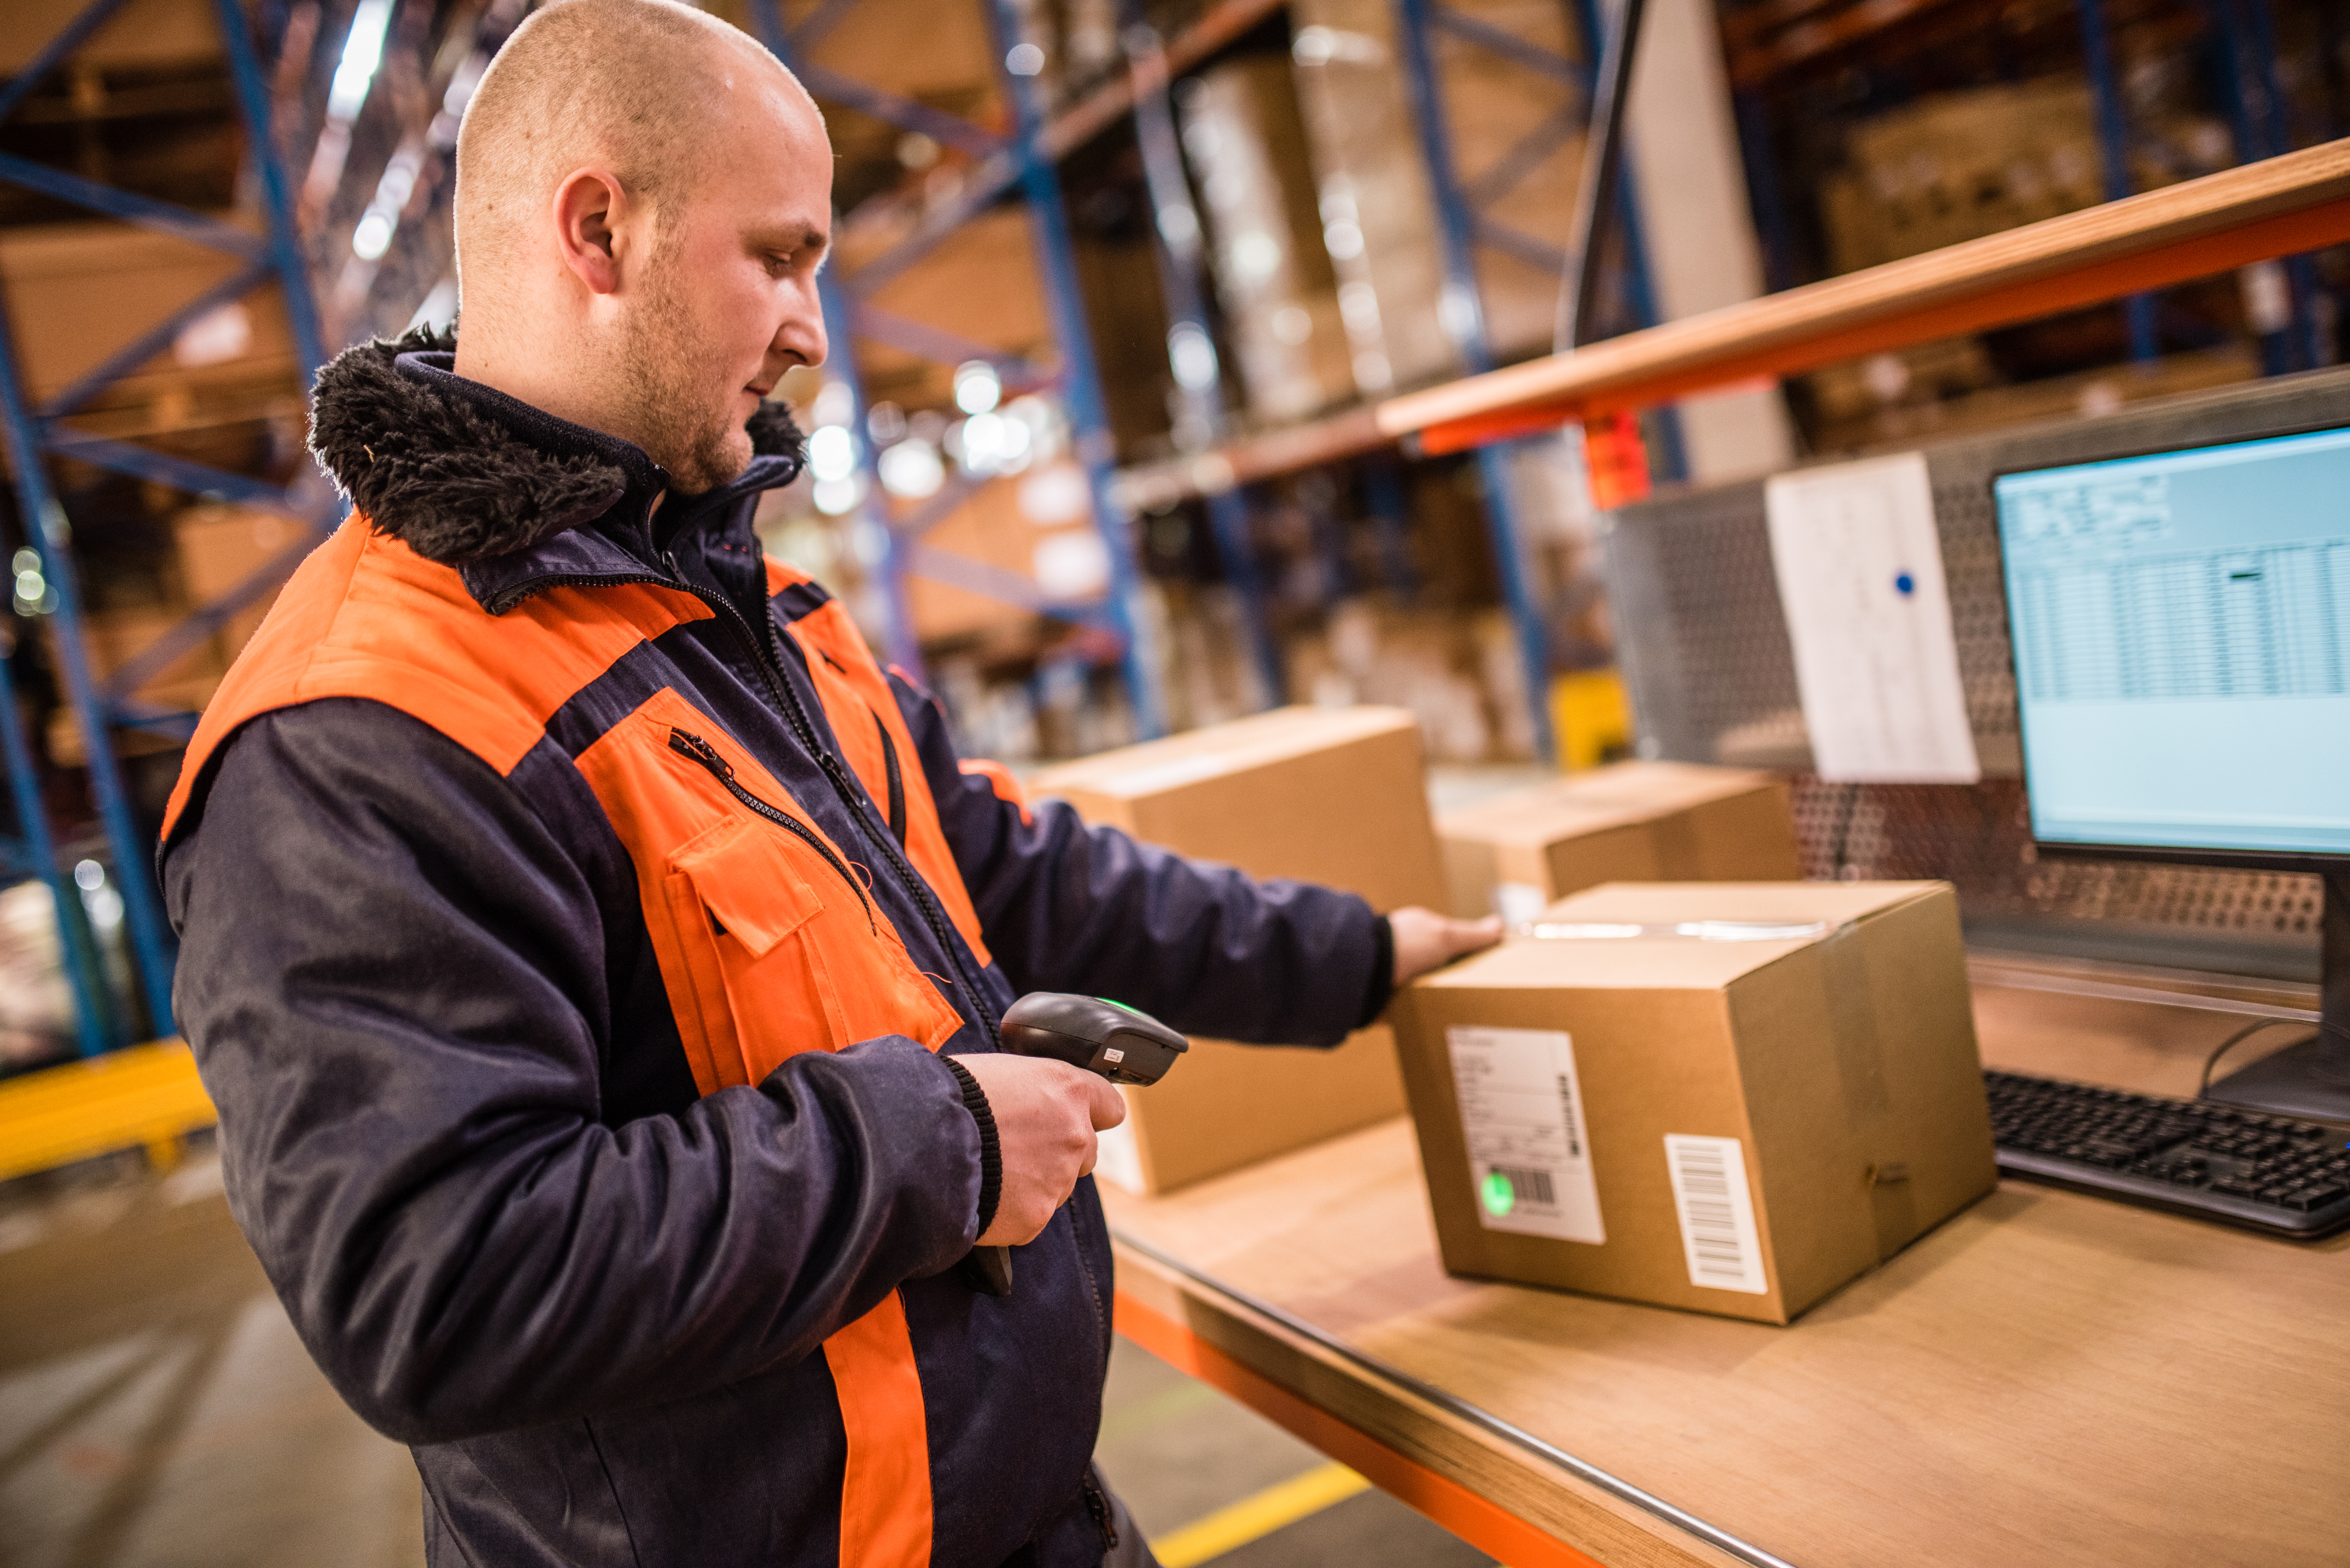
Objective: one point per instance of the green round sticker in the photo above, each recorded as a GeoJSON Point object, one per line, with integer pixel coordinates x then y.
{"type": "Point", "coordinates": [1499, 1196]}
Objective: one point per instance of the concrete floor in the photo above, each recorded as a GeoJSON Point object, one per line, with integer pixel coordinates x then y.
{"type": "Point", "coordinates": [156, 1411]}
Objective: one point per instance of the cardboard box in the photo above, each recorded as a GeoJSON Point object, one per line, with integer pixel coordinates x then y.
{"type": "Point", "coordinates": [1329, 795]}
{"type": "Point", "coordinates": [1735, 1125]}
{"type": "Point", "coordinates": [1634, 822]}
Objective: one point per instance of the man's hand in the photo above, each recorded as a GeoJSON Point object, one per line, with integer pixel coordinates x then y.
{"type": "Point", "coordinates": [1046, 1114]}
{"type": "Point", "coordinates": [1424, 939]}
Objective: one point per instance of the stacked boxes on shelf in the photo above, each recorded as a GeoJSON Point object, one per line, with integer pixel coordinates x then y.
{"type": "Point", "coordinates": [1330, 796]}
{"type": "Point", "coordinates": [1247, 151]}
{"type": "Point", "coordinates": [1634, 822]}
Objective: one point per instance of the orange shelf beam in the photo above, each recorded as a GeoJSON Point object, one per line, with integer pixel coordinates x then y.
{"type": "Point", "coordinates": [1485, 1525]}
{"type": "Point", "coordinates": [2278, 207]}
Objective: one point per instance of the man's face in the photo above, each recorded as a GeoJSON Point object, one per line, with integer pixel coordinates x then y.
{"type": "Point", "coordinates": [729, 299]}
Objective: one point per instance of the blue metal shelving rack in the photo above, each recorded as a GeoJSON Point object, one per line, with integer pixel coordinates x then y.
{"type": "Point", "coordinates": [2241, 57]}
{"type": "Point", "coordinates": [1019, 161]}
{"type": "Point", "coordinates": [1464, 225]}
{"type": "Point", "coordinates": [35, 433]}
{"type": "Point", "coordinates": [1014, 162]}
{"type": "Point", "coordinates": [1178, 249]}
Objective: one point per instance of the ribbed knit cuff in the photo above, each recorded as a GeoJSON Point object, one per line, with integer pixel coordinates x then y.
{"type": "Point", "coordinates": [1382, 974]}
{"type": "Point", "coordinates": [991, 1154]}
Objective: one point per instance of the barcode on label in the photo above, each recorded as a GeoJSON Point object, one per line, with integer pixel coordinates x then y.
{"type": "Point", "coordinates": [1529, 1186]}
{"type": "Point", "coordinates": [1529, 1156]}
{"type": "Point", "coordinates": [1716, 1212]}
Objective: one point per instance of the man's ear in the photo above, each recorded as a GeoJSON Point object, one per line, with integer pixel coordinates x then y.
{"type": "Point", "coordinates": [589, 205]}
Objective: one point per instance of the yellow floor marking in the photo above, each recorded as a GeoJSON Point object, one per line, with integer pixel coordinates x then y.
{"type": "Point", "coordinates": [145, 1095]}
{"type": "Point", "coordinates": [1253, 1518]}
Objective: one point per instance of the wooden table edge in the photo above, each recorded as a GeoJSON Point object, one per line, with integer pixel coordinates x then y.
{"type": "Point", "coordinates": [1498, 1492]}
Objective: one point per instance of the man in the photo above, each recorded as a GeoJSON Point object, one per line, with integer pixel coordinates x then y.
{"type": "Point", "coordinates": [596, 956]}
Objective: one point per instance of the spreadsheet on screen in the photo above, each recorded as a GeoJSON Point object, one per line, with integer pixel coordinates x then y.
{"type": "Point", "coordinates": [2181, 626]}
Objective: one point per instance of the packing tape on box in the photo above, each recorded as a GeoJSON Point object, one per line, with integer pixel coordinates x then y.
{"type": "Point", "coordinates": [1696, 931]}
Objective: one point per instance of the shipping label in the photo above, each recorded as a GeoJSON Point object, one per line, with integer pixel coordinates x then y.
{"type": "Point", "coordinates": [1521, 1117]}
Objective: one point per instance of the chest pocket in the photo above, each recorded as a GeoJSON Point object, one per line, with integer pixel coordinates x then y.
{"type": "Point", "coordinates": [768, 941]}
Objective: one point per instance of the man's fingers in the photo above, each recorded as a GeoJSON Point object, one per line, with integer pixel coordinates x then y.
{"type": "Point", "coordinates": [1424, 939]}
{"type": "Point", "coordinates": [1467, 936]}
{"type": "Point", "coordinates": [1107, 1105]}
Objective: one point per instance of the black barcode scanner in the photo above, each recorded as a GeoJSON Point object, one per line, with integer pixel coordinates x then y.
{"type": "Point", "coordinates": [1102, 1036]}
{"type": "Point", "coordinates": [1090, 1031]}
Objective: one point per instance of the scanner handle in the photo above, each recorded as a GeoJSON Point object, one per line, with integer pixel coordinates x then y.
{"type": "Point", "coordinates": [1122, 1043]}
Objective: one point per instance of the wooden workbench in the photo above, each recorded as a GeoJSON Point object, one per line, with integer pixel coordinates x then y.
{"type": "Point", "coordinates": [2047, 1378]}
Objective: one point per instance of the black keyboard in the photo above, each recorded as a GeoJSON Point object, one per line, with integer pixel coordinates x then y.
{"type": "Point", "coordinates": [2268, 1173]}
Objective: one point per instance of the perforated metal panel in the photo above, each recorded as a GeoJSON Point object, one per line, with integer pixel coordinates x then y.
{"type": "Point", "coordinates": [1705, 649]}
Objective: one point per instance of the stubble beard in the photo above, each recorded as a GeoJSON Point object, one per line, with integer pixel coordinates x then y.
{"type": "Point", "coordinates": [686, 418]}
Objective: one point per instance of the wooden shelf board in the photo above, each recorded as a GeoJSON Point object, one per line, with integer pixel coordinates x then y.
{"type": "Point", "coordinates": [2280, 206]}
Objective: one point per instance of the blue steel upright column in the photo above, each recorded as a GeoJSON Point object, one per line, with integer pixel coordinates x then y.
{"type": "Point", "coordinates": [1191, 346]}
{"type": "Point", "coordinates": [1000, 164]}
{"type": "Point", "coordinates": [1464, 313]}
{"type": "Point", "coordinates": [45, 523]}
{"type": "Point", "coordinates": [840, 358]}
{"type": "Point", "coordinates": [2113, 140]}
{"type": "Point", "coordinates": [1080, 380]}
{"type": "Point", "coordinates": [275, 256]}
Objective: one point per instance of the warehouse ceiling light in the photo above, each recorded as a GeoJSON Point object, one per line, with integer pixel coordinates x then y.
{"type": "Point", "coordinates": [1025, 60]}
{"type": "Point", "coordinates": [831, 453]}
{"type": "Point", "coordinates": [834, 404]}
{"type": "Point", "coordinates": [911, 468]}
{"type": "Point", "coordinates": [1318, 45]}
{"type": "Point", "coordinates": [1192, 355]}
{"type": "Point", "coordinates": [32, 596]}
{"type": "Point", "coordinates": [977, 388]}
{"type": "Point", "coordinates": [362, 53]}
{"type": "Point", "coordinates": [835, 496]}
{"type": "Point", "coordinates": [990, 443]}
{"type": "Point", "coordinates": [373, 235]}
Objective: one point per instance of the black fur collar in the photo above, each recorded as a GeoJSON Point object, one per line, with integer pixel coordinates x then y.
{"type": "Point", "coordinates": [464, 473]}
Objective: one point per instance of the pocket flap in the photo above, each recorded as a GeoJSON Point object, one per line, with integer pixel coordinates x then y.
{"type": "Point", "coordinates": [744, 872]}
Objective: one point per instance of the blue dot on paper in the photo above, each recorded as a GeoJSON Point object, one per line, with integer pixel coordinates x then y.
{"type": "Point", "coordinates": [1903, 583]}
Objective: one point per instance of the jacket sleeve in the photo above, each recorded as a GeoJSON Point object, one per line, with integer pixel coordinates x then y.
{"type": "Point", "coordinates": [1210, 949]}
{"type": "Point", "coordinates": [392, 975]}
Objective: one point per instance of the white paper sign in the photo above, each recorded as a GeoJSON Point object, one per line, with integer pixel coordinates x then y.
{"type": "Point", "coordinates": [1522, 1117]}
{"type": "Point", "coordinates": [1860, 581]}
{"type": "Point", "coordinates": [1718, 1240]}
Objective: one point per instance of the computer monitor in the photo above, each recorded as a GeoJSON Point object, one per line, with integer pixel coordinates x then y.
{"type": "Point", "coordinates": [2181, 622]}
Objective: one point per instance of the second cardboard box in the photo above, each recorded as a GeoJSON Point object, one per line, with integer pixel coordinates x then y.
{"type": "Point", "coordinates": [1337, 796]}
{"type": "Point", "coordinates": [1633, 822]}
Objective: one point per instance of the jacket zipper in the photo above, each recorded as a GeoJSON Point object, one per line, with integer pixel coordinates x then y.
{"type": "Point", "coordinates": [686, 743]}
{"type": "Point", "coordinates": [1097, 1504]}
{"type": "Point", "coordinates": [888, 760]}
{"type": "Point", "coordinates": [897, 780]}
{"type": "Point", "coordinates": [851, 794]}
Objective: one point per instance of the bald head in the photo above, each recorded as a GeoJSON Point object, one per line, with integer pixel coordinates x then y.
{"type": "Point", "coordinates": [644, 200]}
{"type": "Point", "coordinates": [645, 89]}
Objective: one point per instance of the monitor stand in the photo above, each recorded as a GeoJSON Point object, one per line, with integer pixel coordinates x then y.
{"type": "Point", "coordinates": [2310, 1078]}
